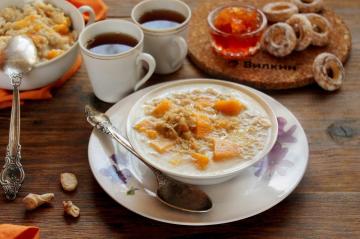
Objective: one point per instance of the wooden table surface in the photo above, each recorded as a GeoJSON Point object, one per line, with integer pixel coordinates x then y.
{"type": "Point", "coordinates": [326, 204]}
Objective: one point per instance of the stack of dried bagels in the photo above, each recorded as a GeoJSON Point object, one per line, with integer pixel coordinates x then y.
{"type": "Point", "coordinates": [296, 26]}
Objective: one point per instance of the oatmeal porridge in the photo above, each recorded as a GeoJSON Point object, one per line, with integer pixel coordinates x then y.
{"type": "Point", "coordinates": [49, 28]}
{"type": "Point", "coordinates": [202, 130]}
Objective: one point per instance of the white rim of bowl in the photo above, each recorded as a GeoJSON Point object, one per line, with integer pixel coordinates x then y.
{"type": "Point", "coordinates": [233, 170]}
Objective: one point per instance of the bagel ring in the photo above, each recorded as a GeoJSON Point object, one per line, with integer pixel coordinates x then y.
{"type": "Point", "coordinates": [303, 30]}
{"type": "Point", "coordinates": [279, 11]}
{"type": "Point", "coordinates": [309, 6]}
{"type": "Point", "coordinates": [279, 40]}
{"type": "Point", "coordinates": [321, 28]}
{"type": "Point", "coordinates": [328, 71]}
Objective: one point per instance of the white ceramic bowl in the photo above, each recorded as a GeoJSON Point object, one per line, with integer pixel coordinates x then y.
{"type": "Point", "coordinates": [47, 72]}
{"type": "Point", "coordinates": [206, 178]}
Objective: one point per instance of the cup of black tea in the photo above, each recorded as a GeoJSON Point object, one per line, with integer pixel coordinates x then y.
{"type": "Point", "coordinates": [165, 26]}
{"type": "Point", "coordinates": [113, 54]}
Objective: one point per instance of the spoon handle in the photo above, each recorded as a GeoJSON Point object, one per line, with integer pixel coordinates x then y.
{"type": "Point", "coordinates": [13, 175]}
{"type": "Point", "coordinates": [14, 132]}
{"type": "Point", "coordinates": [109, 129]}
{"type": "Point", "coordinates": [104, 125]}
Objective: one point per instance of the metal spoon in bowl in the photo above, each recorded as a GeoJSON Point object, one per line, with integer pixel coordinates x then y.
{"type": "Point", "coordinates": [20, 56]}
{"type": "Point", "coordinates": [171, 192]}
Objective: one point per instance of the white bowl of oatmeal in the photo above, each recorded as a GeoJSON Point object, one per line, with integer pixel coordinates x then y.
{"type": "Point", "coordinates": [54, 26]}
{"type": "Point", "coordinates": [202, 131]}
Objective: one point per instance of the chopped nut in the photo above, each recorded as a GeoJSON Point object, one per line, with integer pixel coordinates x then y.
{"type": "Point", "coordinates": [68, 181]}
{"type": "Point", "coordinates": [71, 209]}
{"type": "Point", "coordinates": [32, 201]}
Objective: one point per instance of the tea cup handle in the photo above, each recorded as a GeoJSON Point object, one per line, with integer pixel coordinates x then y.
{"type": "Point", "coordinates": [90, 11]}
{"type": "Point", "coordinates": [149, 59]}
{"type": "Point", "coordinates": [183, 50]}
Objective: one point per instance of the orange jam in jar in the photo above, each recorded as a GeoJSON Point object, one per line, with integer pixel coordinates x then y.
{"type": "Point", "coordinates": [236, 31]}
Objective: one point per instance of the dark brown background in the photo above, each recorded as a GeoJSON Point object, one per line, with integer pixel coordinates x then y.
{"type": "Point", "coordinates": [326, 204]}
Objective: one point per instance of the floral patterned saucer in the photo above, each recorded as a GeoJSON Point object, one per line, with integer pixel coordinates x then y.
{"type": "Point", "coordinates": [257, 189]}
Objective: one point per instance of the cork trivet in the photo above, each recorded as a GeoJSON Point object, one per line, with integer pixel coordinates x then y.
{"type": "Point", "coordinates": [263, 70]}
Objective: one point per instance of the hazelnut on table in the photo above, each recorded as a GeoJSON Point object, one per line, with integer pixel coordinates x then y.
{"type": "Point", "coordinates": [68, 181]}
{"type": "Point", "coordinates": [32, 201]}
{"type": "Point", "coordinates": [71, 209]}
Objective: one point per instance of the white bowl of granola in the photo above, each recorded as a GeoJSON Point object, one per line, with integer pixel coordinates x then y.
{"type": "Point", "coordinates": [202, 131]}
{"type": "Point", "coordinates": [54, 26]}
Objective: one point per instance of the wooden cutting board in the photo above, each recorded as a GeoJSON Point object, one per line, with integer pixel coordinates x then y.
{"type": "Point", "coordinates": [263, 70]}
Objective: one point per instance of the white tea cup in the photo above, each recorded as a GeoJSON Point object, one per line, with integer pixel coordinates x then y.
{"type": "Point", "coordinates": [114, 76]}
{"type": "Point", "coordinates": [167, 45]}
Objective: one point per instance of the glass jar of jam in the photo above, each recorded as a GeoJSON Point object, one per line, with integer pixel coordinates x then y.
{"type": "Point", "coordinates": [236, 30]}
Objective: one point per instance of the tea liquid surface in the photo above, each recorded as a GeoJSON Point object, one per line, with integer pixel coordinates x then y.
{"type": "Point", "coordinates": [111, 43]}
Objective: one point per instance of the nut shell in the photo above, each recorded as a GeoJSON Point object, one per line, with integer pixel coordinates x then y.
{"type": "Point", "coordinates": [68, 181]}
{"type": "Point", "coordinates": [33, 201]}
{"type": "Point", "coordinates": [71, 209]}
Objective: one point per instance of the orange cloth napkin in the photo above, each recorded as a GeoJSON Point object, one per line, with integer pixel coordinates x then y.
{"type": "Point", "coordinates": [39, 94]}
{"type": "Point", "coordinates": [45, 93]}
{"type": "Point", "coordinates": [8, 231]}
{"type": "Point", "coordinates": [98, 6]}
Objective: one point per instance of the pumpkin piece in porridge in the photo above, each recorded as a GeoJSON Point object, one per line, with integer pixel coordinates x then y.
{"type": "Point", "coordinates": [24, 23]}
{"type": "Point", "coordinates": [231, 107]}
{"type": "Point", "coordinates": [144, 125]}
{"type": "Point", "coordinates": [201, 161]}
{"type": "Point", "coordinates": [151, 134]}
{"type": "Point", "coordinates": [62, 29]}
{"type": "Point", "coordinates": [225, 149]}
{"type": "Point", "coordinates": [148, 128]}
{"type": "Point", "coordinates": [161, 108]}
{"type": "Point", "coordinates": [161, 147]}
{"type": "Point", "coordinates": [203, 126]}
{"type": "Point", "coordinates": [53, 53]}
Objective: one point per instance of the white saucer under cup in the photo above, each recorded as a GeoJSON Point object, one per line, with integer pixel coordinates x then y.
{"type": "Point", "coordinates": [256, 189]}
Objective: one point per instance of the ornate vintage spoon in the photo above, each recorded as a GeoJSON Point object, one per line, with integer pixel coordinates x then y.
{"type": "Point", "coordinates": [20, 56]}
{"type": "Point", "coordinates": [170, 191]}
